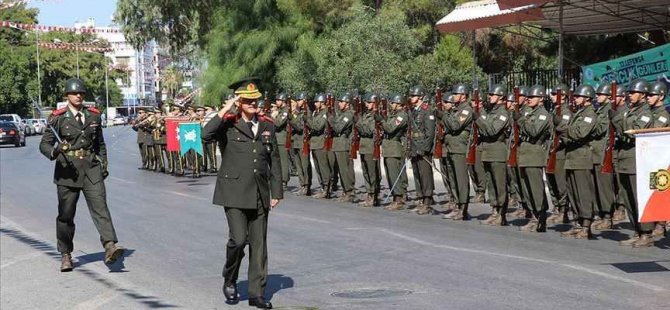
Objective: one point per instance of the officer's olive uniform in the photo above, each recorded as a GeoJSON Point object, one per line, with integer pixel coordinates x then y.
{"type": "Point", "coordinates": [557, 181]}
{"type": "Point", "coordinates": [393, 151]}
{"type": "Point", "coordinates": [149, 145]}
{"type": "Point", "coordinates": [494, 126]}
{"type": "Point", "coordinates": [281, 125]}
{"type": "Point", "coordinates": [477, 173]}
{"type": "Point", "coordinates": [303, 161]}
{"type": "Point", "coordinates": [534, 129]}
{"type": "Point", "coordinates": [371, 169]}
{"type": "Point", "coordinates": [342, 125]}
{"type": "Point", "coordinates": [458, 126]}
{"type": "Point", "coordinates": [422, 124]}
{"type": "Point", "coordinates": [317, 130]}
{"type": "Point", "coordinates": [444, 163]}
{"type": "Point", "coordinates": [81, 169]}
{"type": "Point", "coordinates": [141, 137]}
{"type": "Point", "coordinates": [604, 182]}
{"type": "Point", "coordinates": [579, 163]}
{"type": "Point", "coordinates": [160, 142]}
{"type": "Point", "coordinates": [249, 177]}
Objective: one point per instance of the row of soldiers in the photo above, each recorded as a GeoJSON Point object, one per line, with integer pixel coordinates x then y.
{"type": "Point", "coordinates": [152, 141]}
{"type": "Point", "coordinates": [474, 141]}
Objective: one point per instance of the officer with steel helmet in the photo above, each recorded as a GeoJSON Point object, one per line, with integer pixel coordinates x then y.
{"type": "Point", "coordinates": [494, 123]}
{"type": "Point", "coordinates": [81, 166]}
{"type": "Point", "coordinates": [317, 123]}
{"type": "Point", "coordinates": [422, 124]}
{"type": "Point", "coordinates": [394, 125]}
{"type": "Point", "coordinates": [303, 161]}
{"type": "Point", "coordinates": [281, 118]}
{"type": "Point", "coordinates": [638, 116]}
{"type": "Point", "coordinates": [579, 162]}
{"type": "Point", "coordinates": [604, 189]}
{"type": "Point", "coordinates": [522, 209]}
{"type": "Point", "coordinates": [447, 179]}
{"type": "Point", "coordinates": [371, 168]}
{"type": "Point", "coordinates": [342, 124]}
{"type": "Point", "coordinates": [535, 128]}
{"type": "Point", "coordinates": [657, 93]}
{"type": "Point", "coordinates": [557, 182]}
{"type": "Point", "coordinates": [512, 172]}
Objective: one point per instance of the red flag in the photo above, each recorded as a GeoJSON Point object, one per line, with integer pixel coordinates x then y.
{"type": "Point", "coordinates": [172, 128]}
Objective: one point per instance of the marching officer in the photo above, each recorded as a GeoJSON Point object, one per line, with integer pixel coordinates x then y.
{"type": "Point", "coordinates": [637, 116]}
{"type": "Point", "coordinates": [656, 97]}
{"type": "Point", "coordinates": [81, 166]}
{"type": "Point", "coordinates": [160, 140]}
{"type": "Point", "coordinates": [604, 182]}
{"type": "Point", "coordinates": [422, 124]}
{"type": "Point", "coordinates": [447, 99]}
{"type": "Point", "coordinates": [535, 128]}
{"type": "Point", "coordinates": [494, 123]}
{"type": "Point", "coordinates": [248, 185]}
{"type": "Point", "coordinates": [342, 124]}
{"type": "Point", "coordinates": [395, 130]}
{"type": "Point", "coordinates": [317, 124]}
{"type": "Point", "coordinates": [148, 128]}
{"type": "Point", "coordinates": [281, 118]}
{"type": "Point", "coordinates": [457, 122]}
{"type": "Point", "coordinates": [210, 147]}
{"type": "Point", "coordinates": [579, 162]}
{"type": "Point", "coordinates": [303, 162]}
{"type": "Point", "coordinates": [371, 169]}
{"type": "Point", "coordinates": [141, 136]}
{"type": "Point", "coordinates": [557, 182]}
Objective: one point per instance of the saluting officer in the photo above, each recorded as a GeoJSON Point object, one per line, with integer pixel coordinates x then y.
{"type": "Point", "coordinates": [656, 97]}
{"type": "Point", "coordinates": [317, 130]}
{"type": "Point", "coordinates": [248, 185]}
{"type": "Point", "coordinates": [535, 128]}
{"type": "Point", "coordinates": [557, 181]}
{"type": "Point", "coordinates": [458, 126]}
{"type": "Point", "coordinates": [394, 126]}
{"type": "Point", "coordinates": [422, 124]}
{"type": "Point", "coordinates": [604, 182]}
{"type": "Point", "coordinates": [141, 136]}
{"type": "Point", "coordinates": [281, 118]}
{"type": "Point", "coordinates": [579, 162]}
{"type": "Point", "coordinates": [81, 166]}
{"type": "Point", "coordinates": [342, 124]}
{"type": "Point", "coordinates": [303, 161]}
{"type": "Point", "coordinates": [494, 123]}
{"type": "Point", "coordinates": [371, 169]}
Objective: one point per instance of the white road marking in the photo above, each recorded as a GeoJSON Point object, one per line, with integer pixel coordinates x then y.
{"type": "Point", "coordinates": [122, 180]}
{"type": "Point", "coordinates": [301, 217]}
{"type": "Point", "coordinates": [19, 259]}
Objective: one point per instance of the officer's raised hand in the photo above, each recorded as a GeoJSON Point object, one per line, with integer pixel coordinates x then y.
{"type": "Point", "coordinates": [228, 106]}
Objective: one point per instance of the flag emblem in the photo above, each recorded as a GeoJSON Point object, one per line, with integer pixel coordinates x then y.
{"type": "Point", "coordinates": [659, 180]}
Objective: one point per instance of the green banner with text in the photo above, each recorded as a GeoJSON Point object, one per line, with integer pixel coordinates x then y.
{"type": "Point", "coordinates": [652, 65]}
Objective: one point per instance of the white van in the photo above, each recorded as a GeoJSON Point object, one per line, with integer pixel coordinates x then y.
{"type": "Point", "coordinates": [16, 119]}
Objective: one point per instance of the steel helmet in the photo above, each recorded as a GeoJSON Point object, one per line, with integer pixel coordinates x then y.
{"type": "Point", "coordinates": [498, 90]}
{"type": "Point", "coordinates": [346, 97]}
{"type": "Point", "coordinates": [585, 91]}
{"type": "Point", "coordinates": [658, 88]}
{"type": "Point", "coordinates": [604, 89]}
{"type": "Point", "coordinates": [282, 96]}
{"type": "Point", "coordinates": [638, 86]}
{"type": "Point", "coordinates": [537, 91]}
{"type": "Point", "coordinates": [320, 98]}
{"type": "Point", "coordinates": [74, 86]}
{"type": "Point", "coordinates": [460, 88]}
{"type": "Point", "coordinates": [371, 97]}
{"type": "Point", "coordinates": [416, 91]}
{"type": "Point", "coordinates": [399, 99]}
{"type": "Point", "coordinates": [562, 87]}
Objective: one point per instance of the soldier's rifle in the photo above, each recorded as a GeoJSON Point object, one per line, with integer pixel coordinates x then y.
{"type": "Point", "coordinates": [289, 127]}
{"type": "Point", "coordinates": [514, 145]}
{"type": "Point", "coordinates": [266, 107]}
{"type": "Point", "coordinates": [355, 135]}
{"type": "Point", "coordinates": [472, 148]}
{"type": "Point", "coordinates": [608, 161]}
{"type": "Point", "coordinates": [305, 129]}
{"type": "Point", "coordinates": [408, 138]}
{"type": "Point", "coordinates": [328, 144]}
{"type": "Point", "coordinates": [377, 149]}
{"type": "Point", "coordinates": [439, 130]}
{"type": "Point", "coordinates": [556, 140]}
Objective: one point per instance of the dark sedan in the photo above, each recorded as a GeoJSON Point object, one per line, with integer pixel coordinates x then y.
{"type": "Point", "coordinates": [10, 134]}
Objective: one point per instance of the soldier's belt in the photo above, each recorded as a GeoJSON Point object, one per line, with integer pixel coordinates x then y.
{"type": "Point", "coordinates": [78, 153]}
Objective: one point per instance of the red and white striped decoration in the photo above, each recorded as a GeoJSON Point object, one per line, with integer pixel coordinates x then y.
{"type": "Point", "coordinates": [42, 28]}
{"type": "Point", "coordinates": [76, 46]}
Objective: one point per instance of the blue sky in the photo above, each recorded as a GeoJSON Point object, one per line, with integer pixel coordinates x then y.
{"type": "Point", "coordinates": [66, 12]}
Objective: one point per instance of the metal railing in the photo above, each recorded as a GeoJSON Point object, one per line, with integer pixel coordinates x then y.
{"type": "Point", "coordinates": [547, 78]}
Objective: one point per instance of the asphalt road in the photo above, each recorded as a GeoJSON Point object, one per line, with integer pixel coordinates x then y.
{"type": "Point", "coordinates": [323, 255]}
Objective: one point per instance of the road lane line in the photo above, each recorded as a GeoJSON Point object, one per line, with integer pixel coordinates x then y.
{"type": "Point", "coordinates": [301, 217]}
{"type": "Point", "coordinates": [531, 259]}
{"type": "Point", "coordinates": [19, 259]}
{"type": "Point", "coordinates": [122, 180]}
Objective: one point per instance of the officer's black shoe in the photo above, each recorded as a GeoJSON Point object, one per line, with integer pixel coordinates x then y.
{"type": "Point", "coordinates": [112, 252]}
{"type": "Point", "coordinates": [230, 292]}
{"type": "Point", "coordinates": [66, 262]}
{"type": "Point", "coordinates": [259, 302]}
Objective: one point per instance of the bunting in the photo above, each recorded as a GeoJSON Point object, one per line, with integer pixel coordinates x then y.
{"type": "Point", "coordinates": [43, 28]}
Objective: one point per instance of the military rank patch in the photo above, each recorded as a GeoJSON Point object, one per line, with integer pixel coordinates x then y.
{"type": "Point", "coordinates": [542, 118]}
{"type": "Point", "coordinates": [399, 118]}
{"type": "Point", "coordinates": [431, 117]}
{"type": "Point", "coordinates": [345, 119]}
{"type": "Point", "coordinates": [461, 119]}
{"type": "Point", "coordinates": [465, 112]}
{"type": "Point", "coordinates": [588, 120]}
{"type": "Point", "coordinates": [645, 119]}
{"type": "Point", "coordinates": [659, 180]}
{"type": "Point", "coordinates": [566, 117]}
{"type": "Point", "coordinates": [503, 118]}
{"type": "Point", "coordinates": [662, 119]}
{"type": "Point", "coordinates": [285, 113]}
{"type": "Point", "coordinates": [483, 116]}
{"type": "Point", "coordinates": [325, 116]}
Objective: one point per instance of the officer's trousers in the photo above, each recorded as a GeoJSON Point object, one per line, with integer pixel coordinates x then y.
{"type": "Point", "coordinates": [628, 188]}
{"type": "Point", "coordinates": [446, 176]}
{"type": "Point", "coordinates": [512, 185]}
{"type": "Point", "coordinates": [532, 186]}
{"type": "Point", "coordinates": [461, 181]}
{"type": "Point", "coordinates": [284, 162]}
{"type": "Point", "coordinates": [323, 167]}
{"type": "Point", "coordinates": [143, 154]}
{"type": "Point", "coordinates": [423, 176]}
{"type": "Point", "coordinates": [396, 172]}
{"type": "Point", "coordinates": [96, 200]}
{"type": "Point", "coordinates": [303, 166]}
{"type": "Point", "coordinates": [496, 180]}
{"type": "Point", "coordinates": [581, 191]}
{"type": "Point", "coordinates": [477, 174]}
{"type": "Point", "coordinates": [558, 187]}
{"type": "Point", "coordinates": [251, 225]}
{"type": "Point", "coordinates": [371, 173]}
{"type": "Point", "coordinates": [604, 186]}
{"type": "Point", "coordinates": [345, 165]}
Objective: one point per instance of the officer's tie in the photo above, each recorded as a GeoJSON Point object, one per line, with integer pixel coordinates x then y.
{"type": "Point", "coordinates": [251, 127]}
{"type": "Point", "coordinates": [78, 117]}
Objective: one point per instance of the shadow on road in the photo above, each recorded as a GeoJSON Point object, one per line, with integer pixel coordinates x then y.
{"type": "Point", "coordinates": [118, 266]}
{"type": "Point", "coordinates": [276, 283]}
{"type": "Point", "coordinates": [637, 267]}
{"type": "Point", "coordinates": [50, 250]}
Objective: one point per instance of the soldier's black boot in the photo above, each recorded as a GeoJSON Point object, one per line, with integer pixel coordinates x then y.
{"type": "Point", "coordinates": [541, 222]}
{"type": "Point", "coordinates": [230, 292]}
{"type": "Point", "coordinates": [259, 302]}
{"type": "Point", "coordinates": [66, 262]}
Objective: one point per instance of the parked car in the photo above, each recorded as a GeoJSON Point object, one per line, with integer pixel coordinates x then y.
{"type": "Point", "coordinates": [30, 130]}
{"type": "Point", "coordinates": [16, 119]}
{"type": "Point", "coordinates": [37, 125]}
{"type": "Point", "coordinates": [119, 120]}
{"type": "Point", "coordinates": [11, 134]}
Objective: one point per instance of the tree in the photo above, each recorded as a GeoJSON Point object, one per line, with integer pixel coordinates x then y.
{"type": "Point", "coordinates": [172, 79]}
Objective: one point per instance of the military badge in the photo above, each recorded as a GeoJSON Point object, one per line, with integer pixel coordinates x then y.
{"type": "Point", "coordinates": [659, 180]}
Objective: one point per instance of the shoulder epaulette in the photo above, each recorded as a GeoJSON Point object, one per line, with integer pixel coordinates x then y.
{"type": "Point", "coordinates": [59, 111]}
{"type": "Point", "coordinates": [230, 117]}
{"type": "Point", "coordinates": [266, 118]}
{"type": "Point", "coordinates": [424, 107]}
{"type": "Point", "coordinates": [94, 110]}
